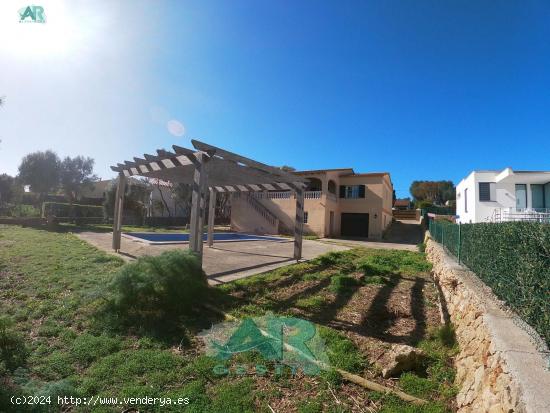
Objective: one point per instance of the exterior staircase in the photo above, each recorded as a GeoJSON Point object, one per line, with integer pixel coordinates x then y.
{"type": "Point", "coordinates": [262, 210]}
{"type": "Point", "coordinates": [412, 214]}
{"type": "Point", "coordinates": [272, 223]}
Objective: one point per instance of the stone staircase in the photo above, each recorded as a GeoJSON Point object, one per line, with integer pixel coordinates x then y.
{"type": "Point", "coordinates": [412, 214]}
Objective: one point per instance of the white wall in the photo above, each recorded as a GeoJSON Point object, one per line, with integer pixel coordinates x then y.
{"type": "Point", "coordinates": [505, 193]}
{"type": "Point", "coordinates": [466, 215]}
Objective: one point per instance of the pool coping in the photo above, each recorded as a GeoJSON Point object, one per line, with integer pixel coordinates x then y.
{"type": "Point", "coordinates": [258, 238]}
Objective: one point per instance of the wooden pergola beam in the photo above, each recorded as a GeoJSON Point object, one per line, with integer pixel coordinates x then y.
{"type": "Point", "coordinates": [197, 205]}
{"type": "Point", "coordinates": [208, 168]}
{"type": "Point", "coordinates": [241, 159]}
{"type": "Point", "coordinates": [211, 216]}
{"type": "Point", "coordinates": [117, 213]}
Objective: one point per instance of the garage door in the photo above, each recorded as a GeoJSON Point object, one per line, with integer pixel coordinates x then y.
{"type": "Point", "coordinates": [355, 225]}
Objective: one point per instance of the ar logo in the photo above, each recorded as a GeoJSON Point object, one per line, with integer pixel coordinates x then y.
{"type": "Point", "coordinates": [32, 14]}
{"type": "Point", "coordinates": [287, 340]}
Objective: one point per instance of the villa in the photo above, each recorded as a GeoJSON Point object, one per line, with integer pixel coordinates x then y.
{"type": "Point", "coordinates": [337, 203]}
{"type": "Point", "coordinates": [507, 195]}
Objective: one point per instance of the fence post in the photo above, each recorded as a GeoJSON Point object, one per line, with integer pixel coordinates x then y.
{"type": "Point", "coordinates": [459, 241]}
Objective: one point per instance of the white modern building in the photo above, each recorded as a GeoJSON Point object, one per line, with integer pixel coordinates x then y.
{"type": "Point", "coordinates": [507, 195]}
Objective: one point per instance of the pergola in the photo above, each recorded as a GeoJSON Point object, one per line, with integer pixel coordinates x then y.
{"type": "Point", "coordinates": [208, 168]}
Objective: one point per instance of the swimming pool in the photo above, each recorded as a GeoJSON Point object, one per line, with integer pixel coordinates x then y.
{"type": "Point", "coordinates": [180, 238]}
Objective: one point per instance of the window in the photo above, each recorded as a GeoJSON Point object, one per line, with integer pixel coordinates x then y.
{"type": "Point", "coordinates": [352, 191]}
{"type": "Point", "coordinates": [540, 196]}
{"type": "Point", "coordinates": [521, 196]}
{"type": "Point", "coordinates": [305, 217]}
{"type": "Point", "coordinates": [466, 200]}
{"type": "Point", "coordinates": [487, 191]}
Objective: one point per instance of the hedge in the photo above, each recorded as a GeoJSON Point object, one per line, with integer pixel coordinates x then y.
{"type": "Point", "coordinates": [59, 209]}
{"type": "Point", "coordinates": [513, 258]}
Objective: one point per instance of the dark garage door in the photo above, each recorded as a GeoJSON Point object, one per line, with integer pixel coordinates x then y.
{"type": "Point", "coordinates": [355, 225]}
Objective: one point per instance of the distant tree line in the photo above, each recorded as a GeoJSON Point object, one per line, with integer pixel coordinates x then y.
{"type": "Point", "coordinates": [45, 173]}
{"type": "Point", "coordinates": [432, 192]}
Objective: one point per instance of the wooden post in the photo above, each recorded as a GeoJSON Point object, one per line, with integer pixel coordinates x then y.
{"type": "Point", "coordinates": [299, 223]}
{"type": "Point", "coordinates": [117, 215]}
{"type": "Point", "coordinates": [211, 216]}
{"type": "Point", "coordinates": [197, 205]}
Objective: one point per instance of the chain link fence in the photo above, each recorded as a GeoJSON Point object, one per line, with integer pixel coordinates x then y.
{"type": "Point", "coordinates": [512, 258]}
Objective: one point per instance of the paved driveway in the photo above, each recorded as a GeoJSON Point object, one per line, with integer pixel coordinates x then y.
{"type": "Point", "coordinates": [224, 261]}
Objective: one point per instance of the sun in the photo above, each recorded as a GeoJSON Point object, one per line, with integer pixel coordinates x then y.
{"type": "Point", "coordinates": [60, 34]}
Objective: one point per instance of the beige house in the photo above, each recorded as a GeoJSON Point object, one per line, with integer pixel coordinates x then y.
{"type": "Point", "coordinates": [338, 203]}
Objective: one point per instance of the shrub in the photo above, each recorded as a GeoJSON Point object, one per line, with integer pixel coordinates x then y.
{"type": "Point", "coordinates": [21, 210]}
{"type": "Point", "coordinates": [13, 352]}
{"type": "Point", "coordinates": [60, 209]}
{"type": "Point", "coordinates": [154, 293]}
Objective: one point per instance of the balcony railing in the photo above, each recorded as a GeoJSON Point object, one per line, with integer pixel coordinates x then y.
{"type": "Point", "coordinates": [272, 195]}
{"type": "Point", "coordinates": [522, 214]}
{"type": "Point", "coordinates": [312, 194]}
{"type": "Point", "coordinates": [290, 194]}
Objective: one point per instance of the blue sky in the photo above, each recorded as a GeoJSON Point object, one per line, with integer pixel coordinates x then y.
{"type": "Point", "coordinates": [421, 89]}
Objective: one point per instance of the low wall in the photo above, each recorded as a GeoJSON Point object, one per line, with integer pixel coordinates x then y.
{"type": "Point", "coordinates": [499, 368]}
{"type": "Point", "coordinates": [24, 221]}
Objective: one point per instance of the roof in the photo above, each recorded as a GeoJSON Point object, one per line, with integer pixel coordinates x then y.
{"type": "Point", "coordinates": [317, 171]}
{"type": "Point", "coordinates": [350, 171]}
{"type": "Point", "coordinates": [402, 202]}
{"type": "Point", "coordinates": [369, 174]}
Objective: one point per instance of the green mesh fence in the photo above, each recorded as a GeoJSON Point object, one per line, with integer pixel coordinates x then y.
{"type": "Point", "coordinates": [513, 258]}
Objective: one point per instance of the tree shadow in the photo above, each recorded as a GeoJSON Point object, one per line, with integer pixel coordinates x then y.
{"type": "Point", "coordinates": [328, 313]}
{"type": "Point", "coordinates": [379, 319]}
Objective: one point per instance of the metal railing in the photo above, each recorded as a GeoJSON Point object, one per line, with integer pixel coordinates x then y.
{"type": "Point", "coordinates": [521, 214]}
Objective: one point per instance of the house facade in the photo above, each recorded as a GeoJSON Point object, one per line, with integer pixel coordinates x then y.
{"type": "Point", "coordinates": [507, 195]}
{"type": "Point", "coordinates": [337, 203]}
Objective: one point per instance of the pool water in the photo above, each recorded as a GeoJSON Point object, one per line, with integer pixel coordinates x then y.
{"type": "Point", "coordinates": [154, 237]}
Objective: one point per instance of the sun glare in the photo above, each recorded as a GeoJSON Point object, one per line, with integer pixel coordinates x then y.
{"type": "Point", "coordinates": [60, 33]}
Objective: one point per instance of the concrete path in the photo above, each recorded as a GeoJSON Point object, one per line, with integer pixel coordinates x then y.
{"type": "Point", "coordinates": [405, 231]}
{"type": "Point", "coordinates": [224, 261]}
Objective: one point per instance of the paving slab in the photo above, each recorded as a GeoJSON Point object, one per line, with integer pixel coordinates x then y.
{"type": "Point", "coordinates": [224, 261]}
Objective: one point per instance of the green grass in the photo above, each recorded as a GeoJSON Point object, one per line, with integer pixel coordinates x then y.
{"type": "Point", "coordinates": [52, 284]}
{"type": "Point", "coordinates": [315, 302]}
{"type": "Point", "coordinates": [342, 284]}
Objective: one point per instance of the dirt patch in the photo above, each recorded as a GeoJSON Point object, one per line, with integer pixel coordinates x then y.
{"type": "Point", "coordinates": [400, 310]}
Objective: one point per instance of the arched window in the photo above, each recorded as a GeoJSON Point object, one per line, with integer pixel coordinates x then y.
{"type": "Point", "coordinates": [314, 184]}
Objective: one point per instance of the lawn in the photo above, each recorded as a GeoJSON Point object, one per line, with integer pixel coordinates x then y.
{"type": "Point", "coordinates": [52, 286]}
